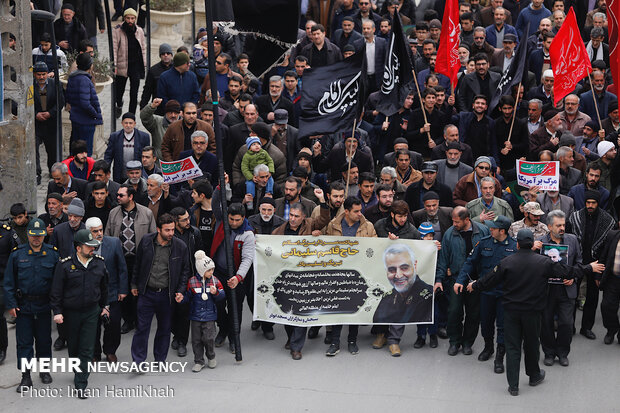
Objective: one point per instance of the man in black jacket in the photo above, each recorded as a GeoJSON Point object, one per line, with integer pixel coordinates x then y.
{"type": "Point", "coordinates": [45, 112]}
{"type": "Point", "coordinates": [69, 30]}
{"type": "Point", "coordinates": [152, 77]}
{"type": "Point", "coordinates": [609, 282]}
{"type": "Point", "coordinates": [525, 276]}
{"type": "Point", "coordinates": [90, 12]}
{"type": "Point", "coordinates": [266, 220]}
{"type": "Point", "coordinates": [64, 184]}
{"type": "Point", "coordinates": [415, 192]}
{"type": "Point", "coordinates": [79, 296]}
{"type": "Point", "coordinates": [190, 235]}
{"type": "Point", "coordinates": [160, 275]}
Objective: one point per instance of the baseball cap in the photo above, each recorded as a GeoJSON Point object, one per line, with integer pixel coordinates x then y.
{"type": "Point", "coordinates": [533, 208]}
{"type": "Point", "coordinates": [500, 222]}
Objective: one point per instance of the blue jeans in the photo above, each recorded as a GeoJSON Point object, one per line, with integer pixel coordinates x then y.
{"type": "Point", "coordinates": [250, 187]}
{"type": "Point", "coordinates": [85, 133]}
{"type": "Point", "coordinates": [151, 304]}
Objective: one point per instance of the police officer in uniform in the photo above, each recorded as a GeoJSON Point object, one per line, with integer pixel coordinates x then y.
{"type": "Point", "coordinates": [483, 258]}
{"type": "Point", "coordinates": [524, 275]}
{"type": "Point", "coordinates": [79, 296]}
{"type": "Point", "coordinates": [8, 241]}
{"type": "Point", "coordinates": [27, 283]}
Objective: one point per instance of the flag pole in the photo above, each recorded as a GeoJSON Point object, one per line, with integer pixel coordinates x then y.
{"type": "Point", "coordinates": [222, 181]}
{"type": "Point", "coordinates": [514, 113]}
{"type": "Point", "coordinates": [346, 190]}
{"type": "Point", "coordinates": [415, 79]}
{"type": "Point", "coordinates": [598, 115]}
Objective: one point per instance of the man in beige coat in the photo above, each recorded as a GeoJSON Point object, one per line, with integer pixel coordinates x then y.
{"type": "Point", "coordinates": [351, 223]}
{"type": "Point", "coordinates": [129, 48]}
{"type": "Point", "coordinates": [129, 222]}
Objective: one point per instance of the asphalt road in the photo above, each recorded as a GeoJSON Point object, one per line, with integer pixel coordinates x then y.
{"type": "Point", "coordinates": [269, 380]}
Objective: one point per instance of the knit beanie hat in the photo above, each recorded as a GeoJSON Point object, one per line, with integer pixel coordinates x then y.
{"type": "Point", "coordinates": [203, 263]}
{"type": "Point", "coordinates": [603, 147]}
{"type": "Point", "coordinates": [130, 12]}
{"type": "Point", "coordinates": [250, 140]}
{"type": "Point", "coordinates": [180, 58]}
{"type": "Point", "coordinates": [426, 228]}
{"type": "Point", "coordinates": [593, 195]}
{"type": "Point", "coordinates": [76, 207]}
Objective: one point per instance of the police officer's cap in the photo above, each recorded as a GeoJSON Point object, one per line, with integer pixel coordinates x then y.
{"type": "Point", "coordinates": [500, 222]}
{"type": "Point", "coordinates": [84, 237]}
{"type": "Point", "coordinates": [36, 228]}
{"type": "Point", "coordinates": [525, 236]}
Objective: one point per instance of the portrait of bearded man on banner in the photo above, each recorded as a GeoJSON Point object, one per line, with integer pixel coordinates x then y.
{"type": "Point", "coordinates": [411, 299]}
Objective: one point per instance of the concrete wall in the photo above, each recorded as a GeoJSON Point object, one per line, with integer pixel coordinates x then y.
{"type": "Point", "coordinates": [17, 141]}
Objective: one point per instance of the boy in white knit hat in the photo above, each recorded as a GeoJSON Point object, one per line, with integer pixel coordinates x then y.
{"type": "Point", "coordinates": [203, 290]}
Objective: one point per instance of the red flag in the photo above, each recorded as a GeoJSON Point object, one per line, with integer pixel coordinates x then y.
{"type": "Point", "coordinates": [613, 13]}
{"type": "Point", "coordinates": [448, 62]}
{"type": "Point", "coordinates": [569, 59]}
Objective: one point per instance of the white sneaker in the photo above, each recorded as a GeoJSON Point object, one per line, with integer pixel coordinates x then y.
{"type": "Point", "coordinates": [212, 363]}
{"type": "Point", "coordinates": [197, 367]}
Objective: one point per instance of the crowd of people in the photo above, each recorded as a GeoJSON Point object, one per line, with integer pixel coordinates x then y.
{"type": "Point", "coordinates": [441, 168]}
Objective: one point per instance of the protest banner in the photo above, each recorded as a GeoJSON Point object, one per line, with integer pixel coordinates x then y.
{"type": "Point", "coordinates": [180, 171]}
{"type": "Point", "coordinates": [545, 175]}
{"type": "Point", "coordinates": [328, 280]}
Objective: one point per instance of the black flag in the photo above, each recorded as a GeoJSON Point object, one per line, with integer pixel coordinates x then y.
{"type": "Point", "coordinates": [397, 73]}
{"type": "Point", "coordinates": [331, 96]}
{"type": "Point", "coordinates": [513, 75]}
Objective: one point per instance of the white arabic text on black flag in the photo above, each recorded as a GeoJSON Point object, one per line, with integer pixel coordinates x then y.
{"type": "Point", "coordinates": [330, 96]}
{"type": "Point", "coordinates": [513, 75]}
{"type": "Point", "coordinates": [397, 73]}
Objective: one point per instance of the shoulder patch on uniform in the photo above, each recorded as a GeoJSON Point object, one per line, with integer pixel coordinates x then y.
{"type": "Point", "coordinates": [99, 256]}
{"type": "Point", "coordinates": [65, 259]}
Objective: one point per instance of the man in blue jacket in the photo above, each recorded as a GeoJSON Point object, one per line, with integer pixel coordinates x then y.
{"type": "Point", "coordinates": [81, 95]}
{"type": "Point", "coordinates": [484, 257]}
{"type": "Point", "coordinates": [456, 244]}
{"type": "Point", "coordinates": [178, 83]}
{"type": "Point", "coordinates": [119, 150]}
{"type": "Point", "coordinates": [112, 252]}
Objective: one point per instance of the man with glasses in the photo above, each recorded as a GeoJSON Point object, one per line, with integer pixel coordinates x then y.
{"type": "Point", "coordinates": [129, 222]}
{"type": "Point", "coordinates": [481, 82]}
{"type": "Point", "coordinates": [206, 161]}
{"type": "Point", "coordinates": [152, 77]}
{"type": "Point", "coordinates": [223, 73]}
{"type": "Point", "coordinates": [469, 187]}
{"type": "Point", "coordinates": [178, 136]}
